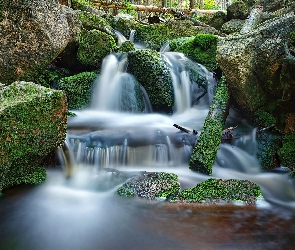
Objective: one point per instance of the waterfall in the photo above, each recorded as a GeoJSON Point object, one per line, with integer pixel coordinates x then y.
{"type": "Point", "coordinates": [120, 37]}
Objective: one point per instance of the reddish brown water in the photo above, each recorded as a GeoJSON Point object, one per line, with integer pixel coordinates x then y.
{"type": "Point", "coordinates": [55, 216]}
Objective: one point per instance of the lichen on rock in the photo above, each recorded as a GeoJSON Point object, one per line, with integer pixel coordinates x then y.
{"type": "Point", "coordinates": [151, 186]}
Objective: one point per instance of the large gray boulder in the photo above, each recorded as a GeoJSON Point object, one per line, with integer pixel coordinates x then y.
{"type": "Point", "coordinates": [259, 67]}
{"type": "Point", "coordinates": [32, 34]}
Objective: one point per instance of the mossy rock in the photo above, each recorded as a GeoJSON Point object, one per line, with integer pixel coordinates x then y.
{"type": "Point", "coordinates": [151, 186]}
{"type": "Point", "coordinates": [152, 73]}
{"type": "Point", "coordinates": [126, 47]}
{"type": "Point", "coordinates": [94, 45]}
{"type": "Point", "coordinates": [220, 190]}
{"type": "Point", "coordinates": [91, 21]}
{"type": "Point", "coordinates": [33, 123]}
{"type": "Point", "coordinates": [201, 49]}
{"type": "Point", "coordinates": [204, 153]}
{"type": "Point", "coordinates": [287, 151]}
{"type": "Point", "coordinates": [78, 89]}
{"type": "Point", "coordinates": [156, 35]}
{"type": "Point", "coordinates": [124, 24]}
{"type": "Point", "coordinates": [232, 26]}
{"type": "Point", "coordinates": [177, 42]}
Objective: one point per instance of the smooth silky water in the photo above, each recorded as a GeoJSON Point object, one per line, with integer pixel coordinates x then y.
{"type": "Point", "coordinates": [83, 210]}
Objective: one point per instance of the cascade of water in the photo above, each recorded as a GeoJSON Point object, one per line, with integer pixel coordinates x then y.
{"type": "Point", "coordinates": [120, 37]}
{"type": "Point", "coordinates": [131, 36]}
{"type": "Point", "coordinates": [115, 90]}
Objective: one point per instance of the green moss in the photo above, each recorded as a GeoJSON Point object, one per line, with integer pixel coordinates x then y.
{"type": "Point", "coordinates": [151, 186]}
{"type": "Point", "coordinates": [90, 22]}
{"type": "Point", "coordinates": [156, 35]}
{"type": "Point", "coordinates": [204, 153]}
{"type": "Point", "coordinates": [287, 151]}
{"type": "Point", "coordinates": [149, 69]}
{"type": "Point", "coordinates": [94, 45]}
{"type": "Point", "coordinates": [24, 175]}
{"type": "Point", "coordinates": [126, 47]}
{"type": "Point", "coordinates": [175, 43]}
{"type": "Point", "coordinates": [217, 190]}
{"type": "Point", "coordinates": [33, 123]}
{"type": "Point", "coordinates": [78, 89]}
{"type": "Point", "coordinates": [264, 118]}
{"type": "Point", "coordinates": [201, 49]}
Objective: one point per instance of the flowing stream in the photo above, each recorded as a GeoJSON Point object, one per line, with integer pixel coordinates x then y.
{"type": "Point", "coordinates": [84, 211]}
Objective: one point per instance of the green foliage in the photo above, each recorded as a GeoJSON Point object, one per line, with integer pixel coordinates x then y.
{"type": "Point", "coordinates": [126, 47]}
{"type": "Point", "coordinates": [90, 22]}
{"type": "Point", "coordinates": [156, 35]}
{"type": "Point", "coordinates": [81, 4]}
{"type": "Point", "coordinates": [217, 190]}
{"type": "Point", "coordinates": [287, 151]}
{"type": "Point", "coordinates": [264, 118]}
{"type": "Point", "coordinates": [204, 153]}
{"type": "Point", "coordinates": [210, 5]}
{"type": "Point", "coordinates": [201, 49]}
{"type": "Point", "coordinates": [94, 45]}
{"type": "Point", "coordinates": [78, 89]}
{"type": "Point", "coordinates": [33, 123]}
{"type": "Point", "coordinates": [149, 69]}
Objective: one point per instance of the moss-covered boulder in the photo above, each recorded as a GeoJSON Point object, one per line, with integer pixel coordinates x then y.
{"type": "Point", "coordinates": [91, 21]}
{"type": "Point", "coordinates": [153, 74]}
{"type": "Point", "coordinates": [216, 20]}
{"type": "Point", "coordinates": [201, 49]}
{"type": "Point", "coordinates": [204, 153]}
{"type": "Point", "coordinates": [78, 89]}
{"type": "Point", "coordinates": [287, 151]}
{"type": "Point", "coordinates": [259, 68]}
{"type": "Point", "coordinates": [33, 123]}
{"type": "Point", "coordinates": [151, 186]}
{"type": "Point", "coordinates": [237, 10]}
{"type": "Point", "coordinates": [232, 26]}
{"type": "Point", "coordinates": [124, 24]}
{"type": "Point", "coordinates": [126, 47]}
{"type": "Point", "coordinates": [32, 34]}
{"type": "Point", "coordinates": [156, 35]}
{"type": "Point", "coordinates": [94, 45]}
{"type": "Point", "coordinates": [220, 190]}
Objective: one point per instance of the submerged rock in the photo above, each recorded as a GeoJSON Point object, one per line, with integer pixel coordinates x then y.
{"type": "Point", "coordinates": [32, 34]}
{"type": "Point", "coordinates": [33, 123]}
{"type": "Point", "coordinates": [151, 186]}
{"type": "Point", "coordinates": [220, 190]}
